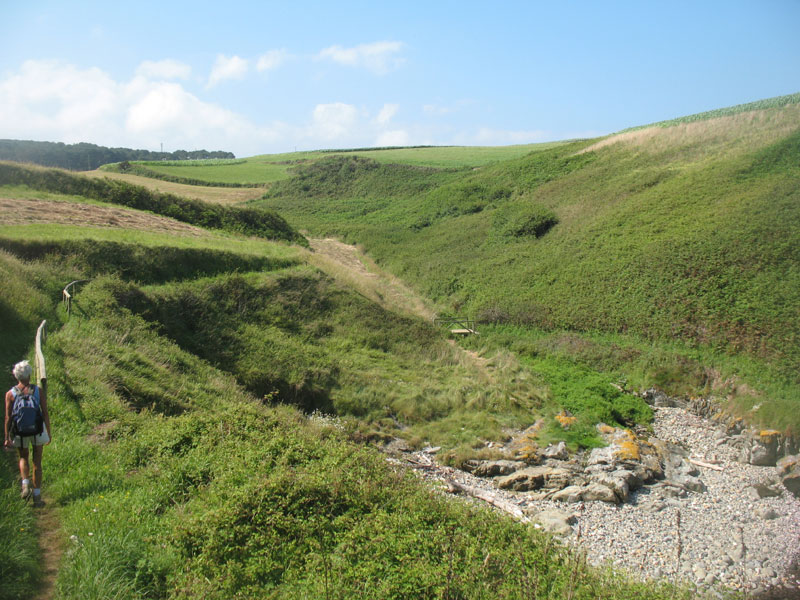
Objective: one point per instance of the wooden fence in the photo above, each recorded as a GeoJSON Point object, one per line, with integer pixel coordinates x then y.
{"type": "Point", "coordinates": [39, 365]}
{"type": "Point", "coordinates": [67, 296]}
{"type": "Point", "coordinates": [458, 325]}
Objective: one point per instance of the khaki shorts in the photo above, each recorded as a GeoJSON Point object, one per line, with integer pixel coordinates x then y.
{"type": "Point", "coordinates": [32, 440]}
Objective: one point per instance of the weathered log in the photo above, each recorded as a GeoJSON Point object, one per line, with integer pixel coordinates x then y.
{"type": "Point", "coordinates": [701, 463]}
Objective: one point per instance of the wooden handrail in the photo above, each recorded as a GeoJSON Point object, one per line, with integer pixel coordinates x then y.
{"type": "Point", "coordinates": [467, 325]}
{"type": "Point", "coordinates": [67, 297]}
{"type": "Point", "coordinates": [41, 371]}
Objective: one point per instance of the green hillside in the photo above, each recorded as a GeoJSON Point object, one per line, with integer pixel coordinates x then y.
{"type": "Point", "coordinates": [180, 464]}
{"type": "Point", "coordinates": [686, 233]}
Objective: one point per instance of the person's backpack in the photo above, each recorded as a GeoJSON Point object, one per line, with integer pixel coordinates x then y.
{"type": "Point", "coordinates": [26, 414]}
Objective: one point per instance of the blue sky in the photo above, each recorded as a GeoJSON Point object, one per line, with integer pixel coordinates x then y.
{"type": "Point", "coordinates": [264, 77]}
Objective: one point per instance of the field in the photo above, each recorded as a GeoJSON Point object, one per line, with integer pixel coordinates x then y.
{"type": "Point", "coordinates": [268, 168]}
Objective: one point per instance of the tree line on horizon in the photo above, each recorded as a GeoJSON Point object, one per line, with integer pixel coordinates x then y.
{"type": "Point", "coordinates": [87, 157]}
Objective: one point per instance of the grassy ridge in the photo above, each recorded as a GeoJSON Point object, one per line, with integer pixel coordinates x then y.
{"type": "Point", "coordinates": [262, 223]}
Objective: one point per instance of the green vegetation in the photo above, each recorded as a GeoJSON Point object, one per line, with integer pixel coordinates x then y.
{"type": "Point", "coordinates": [660, 237]}
{"type": "Point", "coordinates": [248, 221]}
{"type": "Point", "coordinates": [177, 482]}
{"type": "Point", "coordinates": [191, 456]}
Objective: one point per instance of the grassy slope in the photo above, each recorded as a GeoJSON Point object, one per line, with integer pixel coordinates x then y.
{"type": "Point", "coordinates": [688, 232]}
{"type": "Point", "coordinates": [176, 482]}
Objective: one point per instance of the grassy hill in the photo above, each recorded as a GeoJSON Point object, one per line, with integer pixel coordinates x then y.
{"type": "Point", "coordinates": [180, 464]}
{"type": "Point", "coordinates": [686, 234]}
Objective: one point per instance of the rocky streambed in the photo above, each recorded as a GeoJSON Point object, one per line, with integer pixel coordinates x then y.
{"type": "Point", "coordinates": [685, 503]}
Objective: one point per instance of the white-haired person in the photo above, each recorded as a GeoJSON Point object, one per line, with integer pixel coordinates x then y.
{"type": "Point", "coordinates": [25, 404]}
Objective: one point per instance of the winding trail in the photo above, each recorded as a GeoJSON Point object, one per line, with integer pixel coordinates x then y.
{"type": "Point", "coordinates": [51, 549]}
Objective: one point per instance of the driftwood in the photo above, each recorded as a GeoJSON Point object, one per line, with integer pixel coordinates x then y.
{"type": "Point", "coordinates": [512, 509]}
{"type": "Point", "coordinates": [700, 463]}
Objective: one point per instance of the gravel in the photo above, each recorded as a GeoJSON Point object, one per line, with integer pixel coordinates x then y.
{"type": "Point", "coordinates": [716, 538]}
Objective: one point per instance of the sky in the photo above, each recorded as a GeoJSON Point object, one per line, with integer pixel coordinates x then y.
{"type": "Point", "coordinates": [271, 77]}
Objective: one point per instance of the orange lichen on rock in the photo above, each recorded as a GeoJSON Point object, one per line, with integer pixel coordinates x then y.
{"type": "Point", "coordinates": [566, 420]}
{"type": "Point", "coordinates": [627, 446]}
{"type": "Point", "coordinates": [768, 434]}
{"type": "Point", "coordinates": [605, 429]}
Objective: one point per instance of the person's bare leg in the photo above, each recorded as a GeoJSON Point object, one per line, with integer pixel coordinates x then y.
{"type": "Point", "coordinates": [37, 467]}
{"type": "Point", "coordinates": [24, 470]}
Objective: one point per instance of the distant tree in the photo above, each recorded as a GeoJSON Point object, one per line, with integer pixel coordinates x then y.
{"type": "Point", "coordinates": [86, 157]}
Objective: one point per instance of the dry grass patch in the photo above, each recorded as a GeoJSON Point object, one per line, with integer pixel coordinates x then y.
{"type": "Point", "coordinates": [217, 195]}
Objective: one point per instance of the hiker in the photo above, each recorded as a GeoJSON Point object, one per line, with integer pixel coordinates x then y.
{"type": "Point", "coordinates": [27, 423]}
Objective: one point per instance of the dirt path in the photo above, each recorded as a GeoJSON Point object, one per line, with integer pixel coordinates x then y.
{"type": "Point", "coordinates": [25, 211]}
{"type": "Point", "coordinates": [352, 267]}
{"type": "Point", "coordinates": [51, 548]}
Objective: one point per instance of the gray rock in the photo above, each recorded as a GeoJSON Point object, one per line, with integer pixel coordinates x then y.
{"type": "Point", "coordinates": [557, 452]}
{"type": "Point", "coordinates": [555, 521]}
{"type": "Point", "coordinates": [764, 448]}
{"type": "Point", "coordinates": [534, 478]}
{"type": "Point", "coordinates": [493, 468]}
{"type": "Point", "coordinates": [693, 484]}
{"type": "Point", "coordinates": [601, 456]}
{"type": "Point", "coordinates": [615, 483]}
{"type": "Point", "coordinates": [789, 473]}
{"type": "Point", "coordinates": [572, 493]}
{"type": "Point", "coordinates": [762, 490]}
{"type": "Point", "coordinates": [767, 514]}
{"type": "Point", "coordinates": [599, 492]}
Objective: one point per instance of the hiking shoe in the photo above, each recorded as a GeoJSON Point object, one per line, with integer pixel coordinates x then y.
{"type": "Point", "coordinates": [26, 491]}
{"type": "Point", "coordinates": [38, 502]}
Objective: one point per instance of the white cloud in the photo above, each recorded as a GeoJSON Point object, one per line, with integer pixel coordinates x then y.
{"type": "Point", "coordinates": [387, 113]}
{"type": "Point", "coordinates": [226, 68]}
{"type": "Point", "coordinates": [378, 57]}
{"type": "Point", "coordinates": [272, 60]}
{"type": "Point", "coordinates": [334, 121]}
{"type": "Point", "coordinates": [396, 137]}
{"type": "Point", "coordinates": [164, 69]}
{"type": "Point", "coordinates": [50, 96]}
{"type": "Point", "coordinates": [56, 101]}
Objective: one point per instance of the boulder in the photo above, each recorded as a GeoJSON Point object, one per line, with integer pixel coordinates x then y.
{"type": "Point", "coordinates": [534, 478]}
{"type": "Point", "coordinates": [763, 449]}
{"type": "Point", "coordinates": [789, 473]}
{"type": "Point", "coordinates": [571, 494]}
{"type": "Point", "coordinates": [555, 521]}
{"type": "Point", "coordinates": [690, 482]}
{"type": "Point", "coordinates": [597, 491]}
{"type": "Point", "coordinates": [556, 452]}
{"type": "Point", "coordinates": [493, 468]}
{"type": "Point", "coordinates": [617, 482]}
{"type": "Point", "coordinates": [762, 490]}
